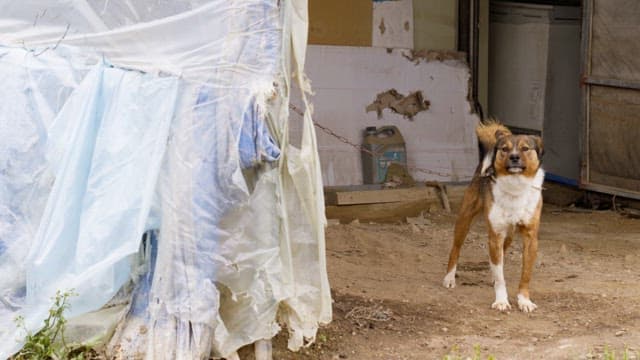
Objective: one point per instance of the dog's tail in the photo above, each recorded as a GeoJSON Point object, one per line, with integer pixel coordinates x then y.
{"type": "Point", "coordinates": [488, 133]}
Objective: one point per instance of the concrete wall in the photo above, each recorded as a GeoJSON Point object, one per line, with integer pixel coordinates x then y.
{"type": "Point", "coordinates": [435, 24]}
{"type": "Point", "coordinates": [347, 79]}
{"type": "Point", "coordinates": [393, 24]}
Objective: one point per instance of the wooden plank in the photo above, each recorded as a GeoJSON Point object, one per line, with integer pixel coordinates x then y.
{"type": "Point", "coordinates": [385, 212]}
{"type": "Point", "coordinates": [356, 197]}
{"type": "Point", "coordinates": [333, 22]}
{"type": "Point", "coordinates": [591, 80]}
{"type": "Point", "coordinates": [610, 190]}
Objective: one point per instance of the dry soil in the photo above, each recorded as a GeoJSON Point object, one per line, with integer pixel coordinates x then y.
{"type": "Point", "coordinates": [389, 302]}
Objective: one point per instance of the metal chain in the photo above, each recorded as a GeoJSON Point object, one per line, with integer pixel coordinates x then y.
{"type": "Point", "coordinates": [360, 147]}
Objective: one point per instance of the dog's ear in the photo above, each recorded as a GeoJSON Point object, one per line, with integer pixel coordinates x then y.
{"type": "Point", "coordinates": [487, 164]}
{"type": "Point", "coordinates": [500, 134]}
{"type": "Point", "coordinates": [539, 145]}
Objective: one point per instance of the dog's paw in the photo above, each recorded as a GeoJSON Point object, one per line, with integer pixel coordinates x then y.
{"type": "Point", "coordinates": [501, 305]}
{"type": "Point", "coordinates": [525, 304]}
{"type": "Point", "coordinates": [449, 280]}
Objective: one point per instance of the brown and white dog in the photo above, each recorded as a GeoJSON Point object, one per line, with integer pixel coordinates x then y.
{"type": "Point", "coordinates": [507, 188]}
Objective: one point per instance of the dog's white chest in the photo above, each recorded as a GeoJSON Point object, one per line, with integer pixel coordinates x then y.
{"type": "Point", "coordinates": [515, 199]}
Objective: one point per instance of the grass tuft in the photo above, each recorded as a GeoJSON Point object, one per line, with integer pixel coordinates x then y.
{"type": "Point", "coordinates": [49, 343]}
{"type": "Point", "coordinates": [477, 354]}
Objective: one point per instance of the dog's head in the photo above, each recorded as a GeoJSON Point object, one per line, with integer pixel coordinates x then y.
{"type": "Point", "coordinates": [517, 154]}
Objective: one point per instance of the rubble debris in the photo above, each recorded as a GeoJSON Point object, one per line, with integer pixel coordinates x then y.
{"type": "Point", "coordinates": [408, 106]}
{"type": "Point", "coordinates": [630, 213]}
{"type": "Point", "coordinates": [398, 176]}
{"type": "Point", "coordinates": [415, 56]}
{"type": "Point", "coordinates": [418, 220]}
{"type": "Point", "coordinates": [362, 315]}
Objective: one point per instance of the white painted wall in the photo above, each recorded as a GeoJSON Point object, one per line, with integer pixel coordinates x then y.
{"type": "Point", "coordinates": [346, 79]}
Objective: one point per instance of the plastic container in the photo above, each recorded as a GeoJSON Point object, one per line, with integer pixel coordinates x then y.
{"type": "Point", "coordinates": [387, 145]}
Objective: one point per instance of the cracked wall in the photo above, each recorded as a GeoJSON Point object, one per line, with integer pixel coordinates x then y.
{"type": "Point", "coordinates": [348, 79]}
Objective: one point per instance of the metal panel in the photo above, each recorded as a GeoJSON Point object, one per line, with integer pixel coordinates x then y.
{"type": "Point", "coordinates": [611, 97]}
{"type": "Point", "coordinates": [614, 132]}
{"type": "Point", "coordinates": [615, 45]}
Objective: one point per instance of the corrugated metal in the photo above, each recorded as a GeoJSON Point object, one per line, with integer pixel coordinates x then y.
{"type": "Point", "coordinates": [611, 68]}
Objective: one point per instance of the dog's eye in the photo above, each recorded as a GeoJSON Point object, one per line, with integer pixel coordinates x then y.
{"type": "Point", "coordinates": [525, 148]}
{"type": "Point", "coordinates": [505, 148]}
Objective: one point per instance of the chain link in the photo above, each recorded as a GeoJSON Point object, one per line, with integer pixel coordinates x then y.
{"type": "Point", "coordinates": [360, 147]}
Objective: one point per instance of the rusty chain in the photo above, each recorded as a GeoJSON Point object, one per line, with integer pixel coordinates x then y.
{"type": "Point", "coordinates": [360, 147]}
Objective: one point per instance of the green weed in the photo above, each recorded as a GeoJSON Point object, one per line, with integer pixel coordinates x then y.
{"type": "Point", "coordinates": [477, 354]}
{"type": "Point", "coordinates": [610, 354]}
{"type": "Point", "coordinates": [49, 343]}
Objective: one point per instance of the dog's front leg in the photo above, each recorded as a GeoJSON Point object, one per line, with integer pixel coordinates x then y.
{"type": "Point", "coordinates": [470, 208]}
{"type": "Point", "coordinates": [496, 253]}
{"type": "Point", "coordinates": [529, 254]}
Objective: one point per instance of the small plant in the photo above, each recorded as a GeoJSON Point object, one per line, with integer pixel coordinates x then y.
{"type": "Point", "coordinates": [49, 342]}
{"type": "Point", "coordinates": [322, 338]}
{"type": "Point", "coordinates": [610, 354]}
{"type": "Point", "coordinates": [477, 354]}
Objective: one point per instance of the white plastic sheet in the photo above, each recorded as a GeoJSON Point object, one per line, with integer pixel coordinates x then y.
{"type": "Point", "coordinates": [133, 116]}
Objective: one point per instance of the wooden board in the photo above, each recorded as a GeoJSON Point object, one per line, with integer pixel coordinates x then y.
{"type": "Point", "coordinates": [340, 22]}
{"type": "Point", "coordinates": [357, 196]}
{"type": "Point", "coordinates": [385, 212]}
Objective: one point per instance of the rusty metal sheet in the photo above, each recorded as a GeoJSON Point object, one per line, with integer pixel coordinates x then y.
{"type": "Point", "coordinates": [615, 48]}
{"type": "Point", "coordinates": [614, 130]}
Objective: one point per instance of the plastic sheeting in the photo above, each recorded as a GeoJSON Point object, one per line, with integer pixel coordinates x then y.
{"type": "Point", "coordinates": [125, 117]}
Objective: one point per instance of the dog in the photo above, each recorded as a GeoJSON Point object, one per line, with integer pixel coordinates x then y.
{"type": "Point", "coordinates": [507, 189]}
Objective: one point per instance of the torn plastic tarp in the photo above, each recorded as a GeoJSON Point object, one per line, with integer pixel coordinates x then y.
{"type": "Point", "coordinates": [113, 136]}
{"type": "Point", "coordinates": [236, 250]}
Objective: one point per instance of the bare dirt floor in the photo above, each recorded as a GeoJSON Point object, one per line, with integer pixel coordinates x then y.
{"type": "Point", "coordinates": [389, 302]}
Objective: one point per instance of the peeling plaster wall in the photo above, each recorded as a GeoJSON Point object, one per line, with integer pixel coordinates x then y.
{"type": "Point", "coordinates": [347, 79]}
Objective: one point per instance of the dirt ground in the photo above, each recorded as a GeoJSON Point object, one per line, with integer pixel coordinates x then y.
{"type": "Point", "coordinates": [389, 302]}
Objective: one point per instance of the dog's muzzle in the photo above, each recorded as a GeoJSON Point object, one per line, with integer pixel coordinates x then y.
{"type": "Point", "coordinates": [515, 165]}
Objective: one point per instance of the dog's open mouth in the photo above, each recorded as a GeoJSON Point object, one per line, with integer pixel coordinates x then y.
{"type": "Point", "coordinates": [515, 169]}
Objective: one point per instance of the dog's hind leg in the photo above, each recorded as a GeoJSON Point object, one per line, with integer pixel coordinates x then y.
{"type": "Point", "coordinates": [471, 206]}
